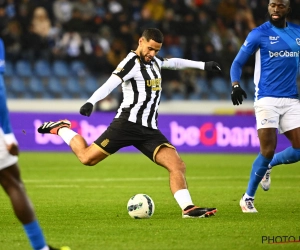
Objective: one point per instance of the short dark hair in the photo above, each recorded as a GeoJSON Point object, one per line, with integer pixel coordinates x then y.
{"type": "Point", "coordinates": [154, 34]}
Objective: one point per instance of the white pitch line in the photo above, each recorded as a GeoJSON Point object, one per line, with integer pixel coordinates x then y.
{"type": "Point", "coordinates": [152, 179]}
{"type": "Point", "coordinates": [124, 187]}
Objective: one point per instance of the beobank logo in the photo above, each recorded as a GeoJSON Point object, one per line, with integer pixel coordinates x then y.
{"type": "Point", "coordinates": [284, 53]}
{"type": "Point", "coordinates": [89, 132]}
{"type": "Point", "coordinates": [213, 134]}
{"type": "Point", "coordinates": [207, 134]}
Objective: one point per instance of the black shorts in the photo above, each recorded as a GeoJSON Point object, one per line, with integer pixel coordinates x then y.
{"type": "Point", "coordinates": [122, 133]}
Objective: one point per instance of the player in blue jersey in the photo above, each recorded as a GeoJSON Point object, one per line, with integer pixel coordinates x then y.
{"type": "Point", "coordinates": [10, 178]}
{"type": "Point", "coordinates": [276, 45]}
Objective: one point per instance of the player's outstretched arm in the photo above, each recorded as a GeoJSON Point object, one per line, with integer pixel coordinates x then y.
{"type": "Point", "coordinates": [112, 82]}
{"type": "Point", "coordinates": [179, 63]}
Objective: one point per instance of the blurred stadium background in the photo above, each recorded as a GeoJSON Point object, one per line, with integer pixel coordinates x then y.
{"type": "Point", "coordinates": [65, 49]}
{"type": "Point", "coordinates": [58, 52]}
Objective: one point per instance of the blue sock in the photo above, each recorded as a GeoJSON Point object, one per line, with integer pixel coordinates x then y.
{"type": "Point", "coordinates": [287, 156]}
{"type": "Point", "coordinates": [35, 235]}
{"type": "Point", "coordinates": [259, 168]}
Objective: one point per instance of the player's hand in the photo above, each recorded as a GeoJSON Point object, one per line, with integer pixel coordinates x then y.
{"type": "Point", "coordinates": [237, 94]}
{"type": "Point", "coordinates": [13, 149]}
{"type": "Point", "coordinates": [212, 66]}
{"type": "Point", "coordinates": [86, 109]}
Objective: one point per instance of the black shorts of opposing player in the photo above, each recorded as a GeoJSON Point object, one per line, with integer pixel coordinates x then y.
{"type": "Point", "coordinates": [122, 133]}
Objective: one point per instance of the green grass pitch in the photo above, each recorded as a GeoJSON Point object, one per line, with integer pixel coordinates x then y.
{"type": "Point", "coordinates": [85, 207]}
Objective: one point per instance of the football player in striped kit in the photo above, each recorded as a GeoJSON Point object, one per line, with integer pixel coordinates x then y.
{"type": "Point", "coordinates": [276, 45]}
{"type": "Point", "coordinates": [136, 120]}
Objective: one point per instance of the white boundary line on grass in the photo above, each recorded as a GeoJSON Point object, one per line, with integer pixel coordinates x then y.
{"type": "Point", "coordinates": [149, 179]}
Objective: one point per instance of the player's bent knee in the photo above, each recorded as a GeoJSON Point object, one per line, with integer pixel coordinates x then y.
{"type": "Point", "coordinates": [87, 161]}
{"type": "Point", "coordinates": [178, 167]}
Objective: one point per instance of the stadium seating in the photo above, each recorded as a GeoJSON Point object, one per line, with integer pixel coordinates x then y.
{"type": "Point", "coordinates": [178, 97]}
{"type": "Point", "coordinates": [175, 51]}
{"type": "Point", "coordinates": [61, 69]}
{"type": "Point", "coordinates": [194, 96]}
{"type": "Point", "coordinates": [73, 87]}
{"type": "Point", "coordinates": [56, 89]}
{"type": "Point", "coordinates": [60, 79]}
{"type": "Point", "coordinates": [23, 68]}
{"type": "Point", "coordinates": [42, 68]}
{"type": "Point", "coordinates": [9, 69]}
{"type": "Point", "coordinates": [203, 88]}
{"type": "Point", "coordinates": [77, 68]}
{"type": "Point", "coordinates": [36, 87]}
{"type": "Point", "coordinates": [90, 85]}
{"type": "Point", "coordinates": [221, 88]}
{"type": "Point", "coordinates": [17, 88]}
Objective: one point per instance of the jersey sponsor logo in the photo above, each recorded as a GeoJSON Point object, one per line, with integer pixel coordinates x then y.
{"type": "Point", "coordinates": [245, 43]}
{"type": "Point", "coordinates": [155, 84]}
{"type": "Point", "coordinates": [274, 38]}
{"type": "Point", "coordinates": [284, 53]}
{"type": "Point", "coordinates": [104, 143]}
{"type": "Point", "coordinates": [298, 41]}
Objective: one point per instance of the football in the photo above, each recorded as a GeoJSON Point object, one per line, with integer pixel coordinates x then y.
{"type": "Point", "coordinates": [140, 206]}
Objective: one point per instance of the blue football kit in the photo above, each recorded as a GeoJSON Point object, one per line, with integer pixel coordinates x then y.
{"type": "Point", "coordinates": [4, 116]}
{"type": "Point", "coordinates": [276, 60]}
{"type": "Point", "coordinates": [32, 229]}
{"type": "Point", "coordinates": [275, 76]}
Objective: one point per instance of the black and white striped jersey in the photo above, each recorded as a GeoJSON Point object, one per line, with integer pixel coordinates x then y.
{"type": "Point", "coordinates": [141, 86]}
{"type": "Point", "coordinates": [141, 90]}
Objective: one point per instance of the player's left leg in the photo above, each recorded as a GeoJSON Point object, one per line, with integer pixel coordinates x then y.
{"type": "Point", "coordinates": [12, 184]}
{"type": "Point", "coordinates": [169, 159]}
{"type": "Point", "coordinates": [290, 154]}
{"type": "Point", "coordinates": [287, 156]}
{"type": "Point", "coordinates": [289, 126]}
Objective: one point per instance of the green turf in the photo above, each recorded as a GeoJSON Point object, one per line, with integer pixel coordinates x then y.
{"type": "Point", "coordinates": [85, 207]}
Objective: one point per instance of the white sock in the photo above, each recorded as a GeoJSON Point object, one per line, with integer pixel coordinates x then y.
{"type": "Point", "coordinates": [66, 134]}
{"type": "Point", "coordinates": [183, 198]}
{"type": "Point", "coordinates": [246, 196]}
{"type": "Point", "coordinates": [45, 248]}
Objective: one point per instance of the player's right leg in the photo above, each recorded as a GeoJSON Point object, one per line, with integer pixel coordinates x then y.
{"type": "Point", "coordinates": [53, 127]}
{"type": "Point", "coordinates": [267, 134]}
{"type": "Point", "coordinates": [87, 154]}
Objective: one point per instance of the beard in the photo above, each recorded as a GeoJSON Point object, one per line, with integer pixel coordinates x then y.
{"type": "Point", "coordinates": [280, 22]}
{"type": "Point", "coordinates": [142, 57]}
